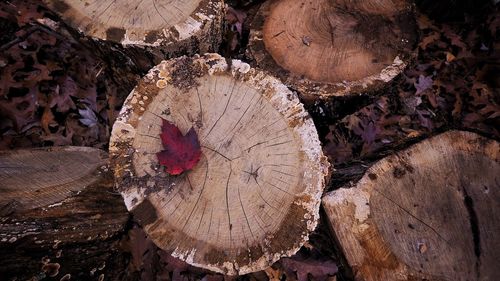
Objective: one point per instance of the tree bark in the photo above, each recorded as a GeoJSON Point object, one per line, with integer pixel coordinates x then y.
{"type": "Point", "coordinates": [146, 31]}
{"type": "Point", "coordinates": [424, 213]}
{"type": "Point", "coordinates": [333, 48]}
{"type": "Point", "coordinates": [253, 197]}
{"type": "Point", "coordinates": [66, 222]}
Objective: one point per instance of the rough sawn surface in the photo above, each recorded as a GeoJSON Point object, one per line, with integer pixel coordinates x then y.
{"type": "Point", "coordinates": [328, 48]}
{"type": "Point", "coordinates": [426, 213]}
{"type": "Point", "coordinates": [254, 196]}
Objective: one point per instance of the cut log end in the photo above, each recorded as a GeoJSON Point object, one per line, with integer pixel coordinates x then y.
{"type": "Point", "coordinates": [333, 48]}
{"type": "Point", "coordinates": [60, 217]}
{"type": "Point", "coordinates": [254, 195]}
{"type": "Point", "coordinates": [425, 213]}
{"type": "Point", "coordinates": [33, 178]}
{"type": "Point", "coordinates": [141, 23]}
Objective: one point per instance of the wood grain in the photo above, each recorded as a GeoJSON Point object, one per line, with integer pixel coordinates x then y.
{"type": "Point", "coordinates": [132, 36]}
{"type": "Point", "coordinates": [254, 195]}
{"type": "Point", "coordinates": [139, 22]}
{"type": "Point", "coordinates": [32, 178]}
{"type": "Point", "coordinates": [332, 48]}
{"type": "Point", "coordinates": [424, 213]}
{"type": "Point", "coordinates": [79, 235]}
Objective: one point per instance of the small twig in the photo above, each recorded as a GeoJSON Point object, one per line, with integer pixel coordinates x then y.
{"type": "Point", "coordinates": [7, 45]}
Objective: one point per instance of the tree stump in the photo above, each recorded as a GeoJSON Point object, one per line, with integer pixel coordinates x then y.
{"type": "Point", "coordinates": [253, 197]}
{"type": "Point", "coordinates": [426, 213]}
{"type": "Point", "coordinates": [333, 48]}
{"type": "Point", "coordinates": [151, 30]}
{"type": "Point", "coordinates": [59, 216]}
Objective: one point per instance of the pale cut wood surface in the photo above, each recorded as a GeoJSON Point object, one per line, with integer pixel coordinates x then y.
{"type": "Point", "coordinates": [426, 213]}
{"type": "Point", "coordinates": [332, 48]}
{"type": "Point", "coordinates": [253, 197]}
{"type": "Point", "coordinates": [32, 178]}
{"type": "Point", "coordinates": [141, 22]}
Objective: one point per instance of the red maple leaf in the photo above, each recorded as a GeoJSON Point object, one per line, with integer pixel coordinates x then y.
{"type": "Point", "coordinates": [180, 152]}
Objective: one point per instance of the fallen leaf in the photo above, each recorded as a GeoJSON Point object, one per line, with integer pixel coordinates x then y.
{"type": "Point", "coordinates": [236, 18]}
{"type": "Point", "coordinates": [414, 134]}
{"type": "Point", "coordinates": [303, 267]}
{"type": "Point", "coordinates": [89, 118]}
{"type": "Point", "coordinates": [431, 38]}
{"type": "Point", "coordinates": [174, 265]}
{"type": "Point", "coordinates": [457, 106]}
{"type": "Point", "coordinates": [47, 120]}
{"type": "Point", "coordinates": [425, 119]}
{"type": "Point", "coordinates": [450, 57]}
{"type": "Point", "coordinates": [338, 147]}
{"type": "Point", "coordinates": [273, 274]}
{"type": "Point", "coordinates": [424, 22]}
{"type": "Point", "coordinates": [180, 152]}
{"type": "Point", "coordinates": [424, 83]}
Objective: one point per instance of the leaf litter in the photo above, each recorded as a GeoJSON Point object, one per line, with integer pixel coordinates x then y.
{"type": "Point", "coordinates": [450, 86]}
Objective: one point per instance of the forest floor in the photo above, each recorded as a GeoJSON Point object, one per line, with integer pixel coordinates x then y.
{"type": "Point", "coordinates": [55, 91]}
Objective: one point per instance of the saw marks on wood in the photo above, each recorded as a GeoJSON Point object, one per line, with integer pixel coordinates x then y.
{"type": "Point", "coordinates": [428, 212]}
{"type": "Point", "coordinates": [250, 165]}
{"type": "Point", "coordinates": [254, 194]}
{"type": "Point", "coordinates": [385, 8]}
{"type": "Point", "coordinates": [141, 22]}
{"type": "Point", "coordinates": [32, 178]}
{"type": "Point", "coordinates": [333, 42]}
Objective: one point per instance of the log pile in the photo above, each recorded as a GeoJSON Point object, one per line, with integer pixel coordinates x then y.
{"type": "Point", "coordinates": [249, 190]}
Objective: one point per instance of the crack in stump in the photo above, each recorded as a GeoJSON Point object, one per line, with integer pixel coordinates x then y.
{"type": "Point", "coordinates": [474, 225]}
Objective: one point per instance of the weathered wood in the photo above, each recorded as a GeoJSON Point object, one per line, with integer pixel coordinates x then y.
{"type": "Point", "coordinates": [32, 178]}
{"type": "Point", "coordinates": [77, 234]}
{"type": "Point", "coordinates": [149, 30]}
{"type": "Point", "coordinates": [333, 48]}
{"type": "Point", "coordinates": [253, 197]}
{"type": "Point", "coordinates": [425, 213]}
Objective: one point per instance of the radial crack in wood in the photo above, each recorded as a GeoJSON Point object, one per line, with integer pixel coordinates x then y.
{"type": "Point", "coordinates": [333, 48]}
{"type": "Point", "coordinates": [426, 213]}
{"type": "Point", "coordinates": [253, 197]}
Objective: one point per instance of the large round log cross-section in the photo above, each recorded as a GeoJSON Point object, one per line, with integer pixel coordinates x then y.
{"type": "Point", "coordinates": [254, 195]}
{"type": "Point", "coordinates": [329, 48]}
{"type": "Point", "coordinates": [135, 35]}
{"type": "Point", "coordinates": [139, 22]}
